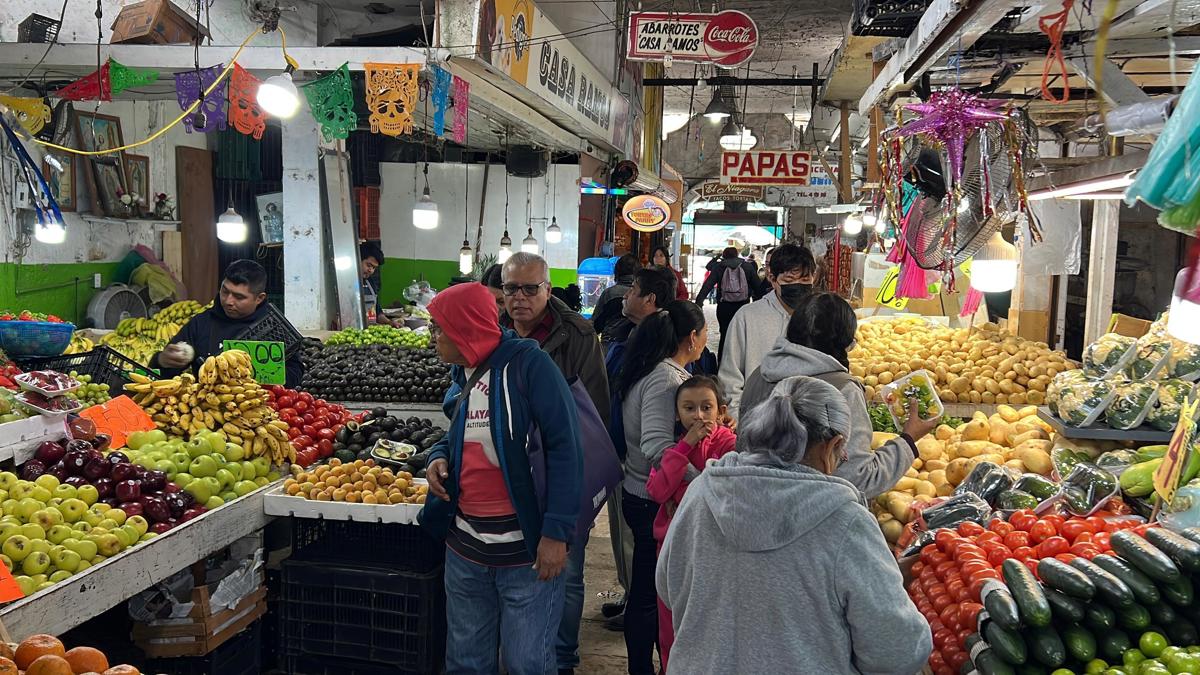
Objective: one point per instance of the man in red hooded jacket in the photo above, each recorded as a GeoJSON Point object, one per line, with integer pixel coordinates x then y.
{"type": "Point", "coordinates": [506, 544]}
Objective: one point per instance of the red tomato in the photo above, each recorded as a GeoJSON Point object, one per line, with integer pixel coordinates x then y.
{"type": "Point", "coordinates": [308, 418]}
{"type": "Point", "coordinates": [937, 557]}
{"type": "Point", "coordinates": [1141, 529]}
{"type": "Point", "coordinates": [1017, 539]}
{"type": "Point", "coordinates": [326, 433]}
{"type": "Point", "coordinates": [293, 432]}
{"type": "Point", "coordinates": [302, 441]}
{"type": "Point", "coordinates": [287, 411]}
{"type": "Point", "coordinates": [1066, 557]}
{"type": "Point", "coordinates": [306, 397]}
{"type": "Point", "coordinates": [1054, 519]}
{"type": "Point", "coordinates": [955, 662]}
{"type": "Point", "coordinates": [942, 538]}
{"type": "Point", "coordinates": [970, 528]}
{"type": "Point", "coordinates": [949, 616]}
{"type": "Point", "coordinates": [1023, 520]}
{"type": "Point", "coordinates": [1000, 527]}
{"type": "Point", "coordinates": [967, 551]}
{"type": "Point", "coordinates": [942, 569]}
{"type": "Point", "coordinates": [1024, 553]}
{"type": "Point", "coordinates": [284, 401]}
{"type": "Point", "coordinates": [999, 555]}
{"type": "Point", "coordinates": [1073, 528]}
{"type": "Point", "coordinates": [967, 613]}
{"type": "Point", "coordinates": [1088, 551]}
{"type": "Point", "coordinates": [1096, 524]}
{"type": "Point", "coordinates": [301, 405]}
{"type": "Point", "coordinates": [1102, 541]}
{"type": "Point", "coordinates": [308, 430]}
{"type": "Point", "coordinates": [325, 446]}
{"type": "Point", "coordinates": [917, 567]}
{"type": "Point", "coordinates": [1052, 547]}
{"type": "Point", "coordinates": [1041, 531]}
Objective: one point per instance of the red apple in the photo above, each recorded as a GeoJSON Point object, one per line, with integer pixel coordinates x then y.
{"type": "Point", "coordinates": [49, 453]}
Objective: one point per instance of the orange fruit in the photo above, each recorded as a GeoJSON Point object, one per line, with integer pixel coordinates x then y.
{"type": "Point", "coordinates": [6, 651]}
{"type": "Point", "coordinates": [7, 667]}
{"type": "Point", "coordinates": [123, 669]}
{"type": "Point", "coordinates": [49, 664]}
{"type": "Point", "coordinates": [87, 660]}
{"type": "Point", "coordinates": [37, 645]}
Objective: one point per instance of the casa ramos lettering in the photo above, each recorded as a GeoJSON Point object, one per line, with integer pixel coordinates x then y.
{"type": "Point", "coordinates": [726, 38]}
{"type": "Point", "coordinates": [766, 167]}
{"type": "Point", "coordinates": [559, 77]}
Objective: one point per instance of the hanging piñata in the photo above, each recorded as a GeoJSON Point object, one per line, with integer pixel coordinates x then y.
{"type": "Point", "coordinates": [462, 98]}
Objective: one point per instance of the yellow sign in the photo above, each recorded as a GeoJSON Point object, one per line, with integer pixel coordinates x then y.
{"type": "Point", "coordinates": [505, 33]}
{"type": "Point", "coordinates": [646, 213]}
{"type": "Point", "coordinates": [1166, 477]}
{"type": "Point", "coordinates": [886, 297]}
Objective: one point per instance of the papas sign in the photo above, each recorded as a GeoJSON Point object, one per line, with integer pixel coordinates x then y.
{"type": "Point", "coordinates": [727, 39]}
{"type": "Point", "coordinates": [646, 213]}
{"type": "Point", "coordinates": [767, 167]}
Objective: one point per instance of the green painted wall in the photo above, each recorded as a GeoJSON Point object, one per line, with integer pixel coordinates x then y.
{"type": "Point", "coordinates": [397, 273]}
{"type": "Point", "coordinates": [51, 288]}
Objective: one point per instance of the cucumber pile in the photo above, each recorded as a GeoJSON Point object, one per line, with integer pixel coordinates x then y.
{"type": "Point", "coordinates": [1130, 611]}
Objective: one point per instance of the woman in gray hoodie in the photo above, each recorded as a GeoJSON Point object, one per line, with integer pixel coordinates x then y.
{"type": "Point", "coordinates": [818, 338]}
{"type": "Point", "coordinates": [818, 591]}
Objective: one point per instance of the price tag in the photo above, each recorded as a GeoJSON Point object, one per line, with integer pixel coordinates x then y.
{"type": "Point", "coordinates": [1166, 477]}
{"type": "Point", "coordinates": [118, 418]}
{"type": "Point", "coordinates": [886, 297]}
{"type": "Point", "coordinates": [9, 589]}
{"type": "Point", "coordinates": [270, 363]}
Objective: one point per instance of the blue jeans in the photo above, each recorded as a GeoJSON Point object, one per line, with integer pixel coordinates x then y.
{"type": "Point", "coordinates": [567, 644]}
{"type": "Point", "coordinates": [491, 609]}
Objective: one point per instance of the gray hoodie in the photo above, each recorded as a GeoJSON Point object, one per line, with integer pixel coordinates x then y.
{"type": "Point", "coordinates": [872, 472]}
{"type": "Point", "coordinates": [782, 570]}
{"type": "Point", "coordinates": [648, 412]}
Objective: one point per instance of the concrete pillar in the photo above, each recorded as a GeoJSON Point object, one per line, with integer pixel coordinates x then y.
{"type": "Point", "coordinates": [305, 297]}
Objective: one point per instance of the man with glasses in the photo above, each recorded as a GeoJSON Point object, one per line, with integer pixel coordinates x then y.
{"type": "Point", "coordinates": [572, 344]}
{"type": "Point", "coordinates": [371, 257]}
{"type": "Point", "coordinates": [755, 328]}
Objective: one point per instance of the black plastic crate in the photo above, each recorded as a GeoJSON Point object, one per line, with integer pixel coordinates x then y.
{"type": "Point", "coordinates": [311, 664]}
{"type": "Point", "coordinates": [406, 547]}
{"type": "Point", "coordinates": [38, 29]}
{"type": "Point", "coordinates": [240, 655]}
{"type": "Point", "coordinates": [103, 364]}
{"type": "Point", "coordinates": [382, 616]}
{"type": "Point", "coordinates": [274, 328]}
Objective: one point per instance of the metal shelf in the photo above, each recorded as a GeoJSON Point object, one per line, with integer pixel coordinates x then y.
{"type": "Point", "coordinates": [1095, 432]}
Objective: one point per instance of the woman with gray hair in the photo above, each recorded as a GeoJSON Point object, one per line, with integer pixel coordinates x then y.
{"type": "Point", "coordinates": [773, 565]}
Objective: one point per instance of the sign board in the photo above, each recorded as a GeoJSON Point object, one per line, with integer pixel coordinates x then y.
{"type": "Point", "coordinates": [268, 358]}
{"type": "Point", "coordinates": [1166, 476]}
{"type": "Point", "coordinates": [646, 213]}
{"type": "Point", "coordinates": [714, 191]}
{"type": "Point", "coordinates": [820, 191]}
{"type": "Point", "coordinates": [118, 418]}
{"type": "Point", "coordinates": [886, 297]}
{"type": "Point", "coordinates": [772, 167]}
{"type": "Point", "coordinates": [727, 39]}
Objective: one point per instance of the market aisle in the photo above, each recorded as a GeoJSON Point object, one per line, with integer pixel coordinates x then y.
{"type": "Point", "coordinates": [601, 651]}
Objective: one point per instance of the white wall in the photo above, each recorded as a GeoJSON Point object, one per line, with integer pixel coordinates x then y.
{"type": "Point", "coordinates": [446, 185]}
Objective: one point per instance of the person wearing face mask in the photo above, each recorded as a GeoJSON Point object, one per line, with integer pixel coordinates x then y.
{"type": "Point", "coordinates": [819, 337]}
{"type": "Point", "coordinates": [755, 328]}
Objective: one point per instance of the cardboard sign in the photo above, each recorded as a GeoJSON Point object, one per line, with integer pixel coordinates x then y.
{"type": "Point", "coordinates": [118, 418]}
{"type": "Point", "coordinates": [268, 358]}
{"type": "Point", "coordinates": [727, 38]}
{"type": "Point", "coordinates": [1166, 477]}
{"type": "Point", "coordinates": [886, 297]}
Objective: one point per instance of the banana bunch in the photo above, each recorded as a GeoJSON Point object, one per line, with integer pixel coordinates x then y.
{"type": "Point", "coordinates": [141, 338]}
{"type": "Point", "coordinates": [79, 344]}
{"type": "Point", "coordinates": [225, 399]}
{"type": "Point", "coordinates": [180, 312]}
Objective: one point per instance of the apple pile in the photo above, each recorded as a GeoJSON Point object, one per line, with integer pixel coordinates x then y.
{"type": "Point", "coordinates": [312, 422]}
{"type": "Point", "coordinates": [209, 468]}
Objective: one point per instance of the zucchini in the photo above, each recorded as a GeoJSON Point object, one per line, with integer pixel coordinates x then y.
{"type": "Point", "coordinates": [989, 663]}
{"type": "Point", "coordinates": [1134, 618]}
{"type": "Point", "coordinates": [1184, 551]}
{"type": "Point", "coordinates": [1163, 614]}
{"type": "Point", "coordinates": [1046, 647]}
{"type": "Point", "coordinates": [1080, 643]}
{"type": "Point", "coordinates": [1064, 607]}
{"type": "Point", "coordinates": [1007, 644]}
{"type": "Point", "coordinates": [1110, 589]}
{"type": "Point", "coordinates": [1144, 556]}
{"type": "Point", "coordinates": [1000, 605]}
{"type": "Point", "coordinates": [1113, 644]}
{"type": "Point", "coordinates": [1100, 618]}
{"type": "Point", "coordinates": [1179, 593]}
{"type": "Point", "coordinates": [1144, 590]}
{"type": "Point", "coordinates": [1025, 590]}
{"type": "Point", "coordinates": [1191, 533]}
{"type": "Point", "coordinates": [1062, 577]}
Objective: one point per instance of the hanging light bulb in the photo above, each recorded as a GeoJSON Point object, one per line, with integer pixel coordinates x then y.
{"type": "Point", "coordinates": [994, 269]}
{"type": "Point", "coordinates": [278, 96]}
{"type": "Point", "coordinates": [734, 137]}
{"type": "Point", "coordinates": [529, 244]}
{"type": "Point", "coordinates": [554, 232]}
{"type": "Point", "coordinates": [466, 258]}
{"type": "Point", "coordinates": [425, 212]}
{"type": "Point", "coordinates": [852, 225]}
{"type": "Point", "coordinates": [505, 248]}
{"type": "Point", "coordinates": [230, 226]}
{"type": "Point", "coordinates": [50, 231]}
{"type": "Point", "coordinates": [1184, 320]}
{"type": "Point", "coordinates": [717, 109]}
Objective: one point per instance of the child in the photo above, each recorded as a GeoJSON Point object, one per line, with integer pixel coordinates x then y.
{"type": "Point", "coordinates": [700, 410]}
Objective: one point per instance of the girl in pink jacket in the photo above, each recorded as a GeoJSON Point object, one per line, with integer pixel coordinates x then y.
{"type": "Point", "coordinates": [699, 409]}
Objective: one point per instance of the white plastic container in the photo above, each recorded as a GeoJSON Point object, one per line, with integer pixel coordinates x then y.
{"type": "Point", "coordinates": [897, 394]}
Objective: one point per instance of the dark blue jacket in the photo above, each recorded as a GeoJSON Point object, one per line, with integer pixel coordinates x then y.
{"type": "Point", "coordinates": [526, 388]}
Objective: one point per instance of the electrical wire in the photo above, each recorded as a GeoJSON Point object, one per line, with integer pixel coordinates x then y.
{"type": "Point", "coordinates": [62, 13]}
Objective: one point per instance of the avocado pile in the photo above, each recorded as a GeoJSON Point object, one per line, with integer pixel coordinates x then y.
{"type": "Point", "coordinates": [355, 439]}
{"type": "Point", "coordinates": [373, 373]}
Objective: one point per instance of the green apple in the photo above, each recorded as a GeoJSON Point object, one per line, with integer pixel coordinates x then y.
{"type": "Point", "coordinates": [85, 548]}
{"type": "Point", "coordinates": [9, 506]}
{"type": "Point", "coordinates": [100, 508]}
{"type": "Point", "coordinates": [233, 452]}
{"type": "Point", "coordinates": [82, 526]}
{"type": "Point", "coordinates": [182, 479]}
{"type": "Point", "coordinates": [73, 509]}
{"type": "Point", "coordinates": [60, 575]}
{"type": "Point", "coordinates": [54, 501]}
{"type": "Point", "coordinates": [33, 531]}
{"type": "Point", "coordinates": [16, 547]}
{"type": "Point", "coordinates": [83, 565]}
{"type": "Point", "coordinates": [3, 495]}
{"type": "Point", "coordinates": [40, 545]}
{"type": "Point", "coordinates": [214, 485]}
{"type": "Point", "coordinates": [156, 436]}
{"type": "Point", "coordinates": [197, 447]}
{"type": "Point", "coordinates": [47, 518]}
{"type": "Point", "coordinates": [108, 524]}
{"type": "Point", "coordinates": [229, 496]}
{"type": "Point", "coordinates": [43, 586]}
{"type": "Point", "coordinates": [65, 492]}
{"type": "Point", "coordinates": [9, 529]}
{"type": "Point", "coordinates": [219, 459]}
{"type": "Point", "coordinates": [199, 489]}
{"type": "Point", "coordinates": [66, 560]}
{"type": "Point", "coordinates": [59, 533]}
{"type": "Point", "coordinates": [261, 481]}
{"type": "Point", "coordinates": [181, 460]}
{"type": "Point", "coordinates": [165, 465]}
{"type": "Point", "coordinates": [108, 544]}
{"type": "Point", "coordinates": [226, 477]}
{"type": "Point", "coordinates": [124, 536]}
{"type": "Point", "coordinates": [39, 578]}
{"type": "Point", "coordinates": [6, 561]}
{"type": "Point", "coordinates": [7, 480]}
{"type": "Point", "coordinates": [262, 466]}
{"type": "Point", "coordinates": [92, 518]}
{"type": "Point", "coordinates": [27, 507]}
{"type": "Point", "coordinates": [47, 481]}
{"type": "Point", "coordinates": [203, 466]}
{"type": "Point", "coordinates": [148, 536]}
{"type": "Point", "coordinates": [27, 586]}
{"type": "Point", "coordinates": [145, 461]}
{"type": "Point", "coordinates": [40, 493]}
{"type": "Point", "coordinates": [36, 562]}
{"type": "Point", "coordinates": [88, 494]}
{"type": "Point", "coordinates": [244, 487]}
{"type": "Point", "coordinates": [132, 531]}
{"type": "Point", "coordinates": [117, 515]}
{"type": "Point", "coordinates": [136, 440]}
{"type": "Point", "coordinates": [213, 502]}
{"type": "Point", "coordinates": [139, 523]}
{"type": "Point", "coordinates": [249, 471]}
{"type": "Point", "coordinates": [21, 490]}
{"type": "Point", "coordinates": [15, 520]}
{"type": "Point", "coordinates": [273, 476]}
{"type": "Point", "coordinates": [97, 559]}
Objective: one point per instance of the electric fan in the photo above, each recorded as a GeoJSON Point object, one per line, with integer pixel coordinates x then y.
{"type": "Point", "coordinates": [108, 307]}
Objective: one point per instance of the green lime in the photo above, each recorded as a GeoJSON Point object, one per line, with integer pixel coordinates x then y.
{"type": "Point", "coordinates": [1132, 657]}
{"type": "Point", "coordinates": [1152, 644]}
{"type": "Point", "coordinates": [1184, 662]}
{"type": "Point", "coordinates": [1095, 667]}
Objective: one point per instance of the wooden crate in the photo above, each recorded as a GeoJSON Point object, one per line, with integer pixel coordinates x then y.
{"type": "Point", "coordinates": [204, 631]}
{"type": "Point", "coordinates": [155, 22]}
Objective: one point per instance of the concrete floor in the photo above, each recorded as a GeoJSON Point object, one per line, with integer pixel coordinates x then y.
{"type": "Point", "coordinates": [601, 651]}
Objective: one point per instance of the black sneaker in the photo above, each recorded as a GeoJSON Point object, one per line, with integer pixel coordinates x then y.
{"type": "Point", "coordinates": [616, 623]}
{"type": "Point", "coordinates": [614, 608]}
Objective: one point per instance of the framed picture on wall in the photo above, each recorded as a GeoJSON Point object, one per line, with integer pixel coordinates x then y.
{"type": "Point", "coordinates": [105, 173]}
{"type": "Point", "coordinates": [270, 217]}
{"type": "Point", "coordinates": [62, 183]}
{"type": "Point", "coordinates": [137, 170]}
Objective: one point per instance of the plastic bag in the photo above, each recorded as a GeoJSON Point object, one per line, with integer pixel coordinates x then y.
{"type": "Point", "coordinates": [1054, 390]}
{"type": "Point", "coordinates": [987, 480]}
{"type": "Point", "coordinates": [1130, 404]}
{"type": "Point", "coordinates": [919, 385]}
{"type": "Point", "coordinates": [1171, 395]}
{"type": "Point", "coordinates": [1109, 355]}
{"type": "Point", "coordinates": [1117, 461]}
{"type": "Point", "coordinates": [1079, 405]}
{"type": "Point", "coordinates": [1150, 358]}
{"type": "Point", "coordinates": [1037, 485]}
{"type": "Point", "coordinates": [1085, 491]}
{"type": "Point", "coordinates": [954, 510]}
{"type": "Point", "coordinates": [1011, 500]}
{"type": "Point", "coordinates": [1184, 361]}
{"type": "Point", "coordinates": [1184, 510]}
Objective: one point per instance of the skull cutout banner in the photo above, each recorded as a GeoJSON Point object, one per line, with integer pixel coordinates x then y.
{"type": "Point", "coordinates": [122, 77]}
{"type": "Point", "coordinates": [441, 95]}
{"type": "Point", "coordinates": [32, 113]}
{"type": "Point", "coordinates": [91, 87]}
{"type": "Point", "coordinates": [462, 97]}
{"type": "Point", "coordinates": [247, 117]}
{"type": "Point", "coordinates": [188, 87]}
{"type": "Point", "coordinates": [391, 96]}
{"type": "Point", "coordinates": [331, 100]}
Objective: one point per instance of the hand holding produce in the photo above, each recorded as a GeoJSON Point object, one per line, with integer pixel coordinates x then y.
{"type": "Point", "coordinates": [178, 355]}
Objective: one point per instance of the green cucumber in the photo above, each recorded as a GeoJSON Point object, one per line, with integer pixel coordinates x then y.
{"type": "Point", "coordinates": [1046, 647]}
{"type": "Point", "coordinates": [1100, 618]}
{"type": "Point", "coordinates": [1191, 533]}
{"type": "Point", "coordinates": [1179, 593]}
{"type": "Point", "coordinates": [1064, 607]}
{"type": "Point", "coordinates": [1182, 632]}
{"type": "Point", "coordinates": [1062, 577]}
{"type": "Point", "coordinates": [1080, 643]}
{"type": "Point", "coordinates": [1000, 604]}
{"type": "Point", "coordinates": [1184, 551]}
{"type": "Point", "coordinates": [1145, 556]}
{"type": "Point", "coordinates": [1113, 644]}
{"type": "Point", "coordinates": [1032, 669]}
{"type": "Point", "coordinates": [1134, 618]}
{"type": "Point", "coordinates": [1108, 588]}
{"type": "Point", "coordinates": [989, 663]}
{"type": "Point", "coordinates": [1007, 644]}
{"type": "Point", "coordinates": [1144, 590]}
{"type": "Point", "coordinates": [1162, 614]}
{"type": "Point", "coordinates": [1031, 602]}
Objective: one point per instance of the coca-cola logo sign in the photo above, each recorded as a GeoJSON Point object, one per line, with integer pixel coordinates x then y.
{"type": "Point", "coordinates": [726, 39]}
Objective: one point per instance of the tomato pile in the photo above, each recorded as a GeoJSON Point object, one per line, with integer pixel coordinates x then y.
{"type": "Point", "coordinates": [26, 315]}
{"type": "Point", "coordinates": [951, 572]}
{"type": "Point", "coordinates": [312, 422]}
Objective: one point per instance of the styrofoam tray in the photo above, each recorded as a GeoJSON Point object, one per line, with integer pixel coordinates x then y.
{"type": "Point", "coordinates": [23, 381]}
{"type": "Point", "coordinates": [277, 502]}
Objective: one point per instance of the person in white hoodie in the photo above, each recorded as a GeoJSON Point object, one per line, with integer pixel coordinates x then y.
{"type": "Point", "coordinates": [823, 593]}
{"type": "Point", "coordinates": [819, 336]}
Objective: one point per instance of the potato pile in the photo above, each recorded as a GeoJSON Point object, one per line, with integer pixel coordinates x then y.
{"type": "Point", "coordinates": [986, 365]}
{"type": "Point", "coordinates": [1013, 438]}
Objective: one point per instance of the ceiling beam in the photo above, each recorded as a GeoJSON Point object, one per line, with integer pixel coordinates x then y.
{"type": "Point", "coordinates": [1152, 17]}
{"type": "Point", "coordinates": [733, 81]}
{"type": "Point", "coordinates": [1115, 86]}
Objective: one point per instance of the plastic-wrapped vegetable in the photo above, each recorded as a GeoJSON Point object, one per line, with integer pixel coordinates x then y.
{"type": "Point", "coordinates": [1080, 405]}
{"type": "Point", "coordinates": [1065, 379]}
{"type": "Point", "coordinates": [1131, 402]}
{"type": "Point", "coordinates": [1109, 355]}
{"type": "Point", "coordinates": [1087, 489]}
{"type": "Point", "coordinates": [1150, 358]}
{"type": "Point", "coordinates": [1117, 461]}
{"type": "Point", "coordinates": [1184, 509]}
{"type": "Point", "coordinates": [1138, 480]}
{"type": "Point", "coordinates": [986, 480]}
{"type": "Point", "coordinates": [1065, 460]}
{"type": "Point", "coordinates": [1011, 500]}
{"type": "Point", "coordinates": [957, 509]}
{"type": "Point", "coordinates": [916, 385]}
{"type": "Point", "coordinates": [1171, 395]}
{"type": "Point", "coordinates": [1184, 360]}
{"type": "Point", "coordinates": [1037, 485]}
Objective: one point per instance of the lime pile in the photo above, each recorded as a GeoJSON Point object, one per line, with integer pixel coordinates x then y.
{"type": "Point", "coordinates": [380, 334]}
{"type": "Point", "coordinates": [90, 393]}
